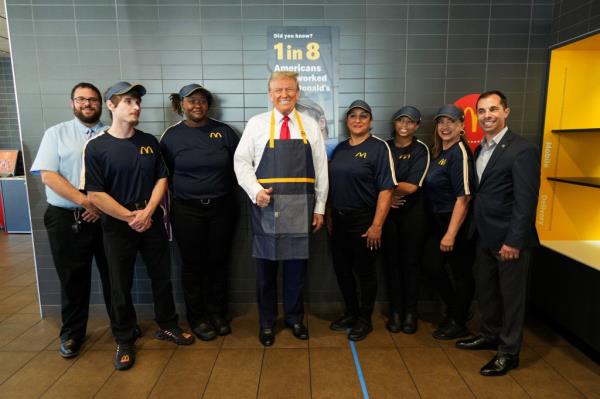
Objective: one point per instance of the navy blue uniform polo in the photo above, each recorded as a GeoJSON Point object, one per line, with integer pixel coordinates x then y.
{"type": "Point", "coordinates": [411, 163]}
{"type": "Point", "coordinates": [126, 169]}
{"type": "Point", "coordinates": [200, 159]}
{"type": "Point", "coordinates": [357, 174]}
{"type": "Point", "coordinates": [450, 176]}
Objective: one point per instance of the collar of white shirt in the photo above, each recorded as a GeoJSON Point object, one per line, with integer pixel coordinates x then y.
{"type": "Point", "coordinates": [279, 117]}
{"type": "Point", "coordinates": [496, 139]}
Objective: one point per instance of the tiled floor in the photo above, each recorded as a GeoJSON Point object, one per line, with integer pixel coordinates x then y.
{"type": "Point", "coordinates": [394, 365]}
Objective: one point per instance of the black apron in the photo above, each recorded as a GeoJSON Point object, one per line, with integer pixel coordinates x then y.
{"type": "Point", "coordinates": [281, 230]}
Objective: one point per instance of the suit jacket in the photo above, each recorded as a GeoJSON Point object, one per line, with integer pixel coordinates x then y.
{"type": "Point", "coordinates": [506, 196]}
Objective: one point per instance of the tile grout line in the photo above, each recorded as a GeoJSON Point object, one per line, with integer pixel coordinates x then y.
{"type": "Point", "coordinates": [163, 371]}
{"type": "Point", "coordinates": [213, 367]}
{"type": "Point", "coordinates": [23, 332]}
{"type": "Point", "coordinates": [407, 368]}
{"type": "Point", "coordinates": [462, 377]}
{"type": "Point", "coordinates": [262, 362]}
{"type": "Point", "coordinates": [557, 371]}
{"type": "Point", "coordinates": [104, 383]}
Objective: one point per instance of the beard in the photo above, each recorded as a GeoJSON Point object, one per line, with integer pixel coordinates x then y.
{"type": "Point", "coordinates": [93, 118]}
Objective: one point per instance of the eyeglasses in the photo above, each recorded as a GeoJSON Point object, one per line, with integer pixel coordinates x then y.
{"type": "Point", "coordinates": [83, 100]}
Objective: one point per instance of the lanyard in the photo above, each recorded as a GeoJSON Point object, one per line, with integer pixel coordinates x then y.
{"type": "Point", "coordinates": [272, 129]}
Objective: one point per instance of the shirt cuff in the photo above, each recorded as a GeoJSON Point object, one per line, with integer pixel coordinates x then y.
{"type": "Point", "coordinates": [254, 190]}
{"type": "Point", "coordinates": [320, 208]}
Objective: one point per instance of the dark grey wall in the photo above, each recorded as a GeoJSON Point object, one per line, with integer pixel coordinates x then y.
{"type": "Point", "coordinates": [420, 52]}
{"type": "Point", "coordinates": [573, 18]}
{"type": "Point", "coordinates": [9, 125]}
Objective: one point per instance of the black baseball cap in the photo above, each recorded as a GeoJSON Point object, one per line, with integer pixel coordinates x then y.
{"type": "Point", "coordinates": [190, 89]}
{"type": "Point", "coordinates": [451, 111]}
{"type": "Point", "coordinates": [409, 111]}
{"type": "Point", "coordinates": [359, 104]}
{"type": "Point", "coordinates": [121, 88]}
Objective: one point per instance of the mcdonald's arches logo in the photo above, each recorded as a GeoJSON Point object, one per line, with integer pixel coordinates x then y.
{"type": "Point", "coordinates": [361, 155]}
{"type": "Point", "coordinates": [404, 157]}
{"type": "Point", "coordinates": [215, 135]}
{"type": "Point", "coordinates": [473, 131]}
{"type": "Point", "coordinates": [144, 150]}
{"type": "Point", "coordinates": [442, 162]}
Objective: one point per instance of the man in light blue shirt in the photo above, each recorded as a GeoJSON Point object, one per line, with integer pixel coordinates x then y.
{"type": "Point", "coordinates": [71, 220]}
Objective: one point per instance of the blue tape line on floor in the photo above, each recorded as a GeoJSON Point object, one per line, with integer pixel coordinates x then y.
{"type": "Point", "coordinates": [361, 379]}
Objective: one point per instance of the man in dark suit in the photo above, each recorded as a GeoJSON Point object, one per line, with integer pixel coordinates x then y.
{"type": "Point", "coordinates": [508, 181]}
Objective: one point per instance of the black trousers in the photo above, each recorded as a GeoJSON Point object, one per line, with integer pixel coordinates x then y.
{"type": "Point", "coordinates": [353, 261]}
{"type": "Point", "coordinates": [502, 294]}
{"type": "Point", "coordinates": [294, 272]}
{"type": "Point", "coordinates": [204, 234]}
{"type": "Point", "coordinates": [404, 234]}
{"type": "Point", "coordinates": [451, 273]}
{"type": "Point", "coordinates": [72, 253]}
{"type": "Point", "coordinates": [122, 244]}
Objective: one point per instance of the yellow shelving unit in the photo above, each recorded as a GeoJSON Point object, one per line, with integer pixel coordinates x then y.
{"type": "Point", "coordinates": [568, 214]}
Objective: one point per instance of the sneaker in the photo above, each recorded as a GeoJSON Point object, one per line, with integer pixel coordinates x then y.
{"type": "Point", "coordinates": [175, 334]}
{"type": "Point", "coordinates": [125, 357]}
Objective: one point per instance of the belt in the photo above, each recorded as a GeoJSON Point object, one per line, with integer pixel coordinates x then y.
{"type": "Point", "coordinates": [203, 201]}
{"type": "Point", "coordinates": [352, 212]}
{"type": "Point", "coordinates": [67, 209]}
{"type": "Point", "coordinates": [136, 206]}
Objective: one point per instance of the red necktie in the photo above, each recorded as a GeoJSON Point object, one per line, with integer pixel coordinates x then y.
{"type": "Point", "coordinates": [284, 134]}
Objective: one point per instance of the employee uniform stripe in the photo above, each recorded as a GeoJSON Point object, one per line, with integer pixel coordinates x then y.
{"type": "Point", "coordinates": [391, 160]}
{"type": "Point", "coordinates": [427, 166]}
{"type": "Point", "coordinates": [465, 160]}
{"type": "Point", "coordinates": [167, 129]}
{"type": "Point", "coordinates": [82, 174]}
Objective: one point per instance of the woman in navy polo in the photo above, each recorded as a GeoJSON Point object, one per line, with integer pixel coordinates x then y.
{"type": "Point", "coordinates": [448, 188]}
{"type": "Point", "coordinates": [361, 181]}
{"type": "Point", "coordinates": [406, 224]}
{"type": "Point", "coordinates": [198, 152]}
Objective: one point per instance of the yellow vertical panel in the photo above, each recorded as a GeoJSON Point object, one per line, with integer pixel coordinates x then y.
{"type": "Point", "coordinates": [576, 214]}
{"type": "Point", "coordinates": [579, 154]}
{"type": "Point", "coordinates": [565, 211]}
{"type": "Point", "coordinates": [582, 91]}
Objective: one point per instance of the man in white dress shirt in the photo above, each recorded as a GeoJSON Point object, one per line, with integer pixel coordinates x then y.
{"type": "Point", "coordinates": [281, 163]}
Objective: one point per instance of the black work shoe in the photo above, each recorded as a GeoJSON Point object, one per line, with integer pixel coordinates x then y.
{"type": "Point", "coordinates": [125, 356]}
{"type": "Point", "coordinates": [176, 335]}
{"type": "Point", "coordinates": [343, 322]}
{"type": "Point", "coordinates": [477, 343]}
{"type": "Point", "coordinates": [500, 365]}
{"type": "Point", "coordinates": [360, 330]}
{"type": "Point", "coordinates": [451, 331]}
{"type": "Point", "coordinates": [205, 331]}
{"type": "Point", "coordinates": [220, 325]}
{"type": "Point", "coordinates": [266, 336]}
{"type": "Point", "coordinates": [69, 348]}
{"type": "Point", "coordinates": [299, 330]}
{"type": "Point", "coordinates": [409, 325]}
{"type": "Point", "coordinates": [394, 323]}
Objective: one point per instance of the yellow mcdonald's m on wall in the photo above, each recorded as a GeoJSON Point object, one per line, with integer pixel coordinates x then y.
{"type": "Point", "coordinates": [144, 150]}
